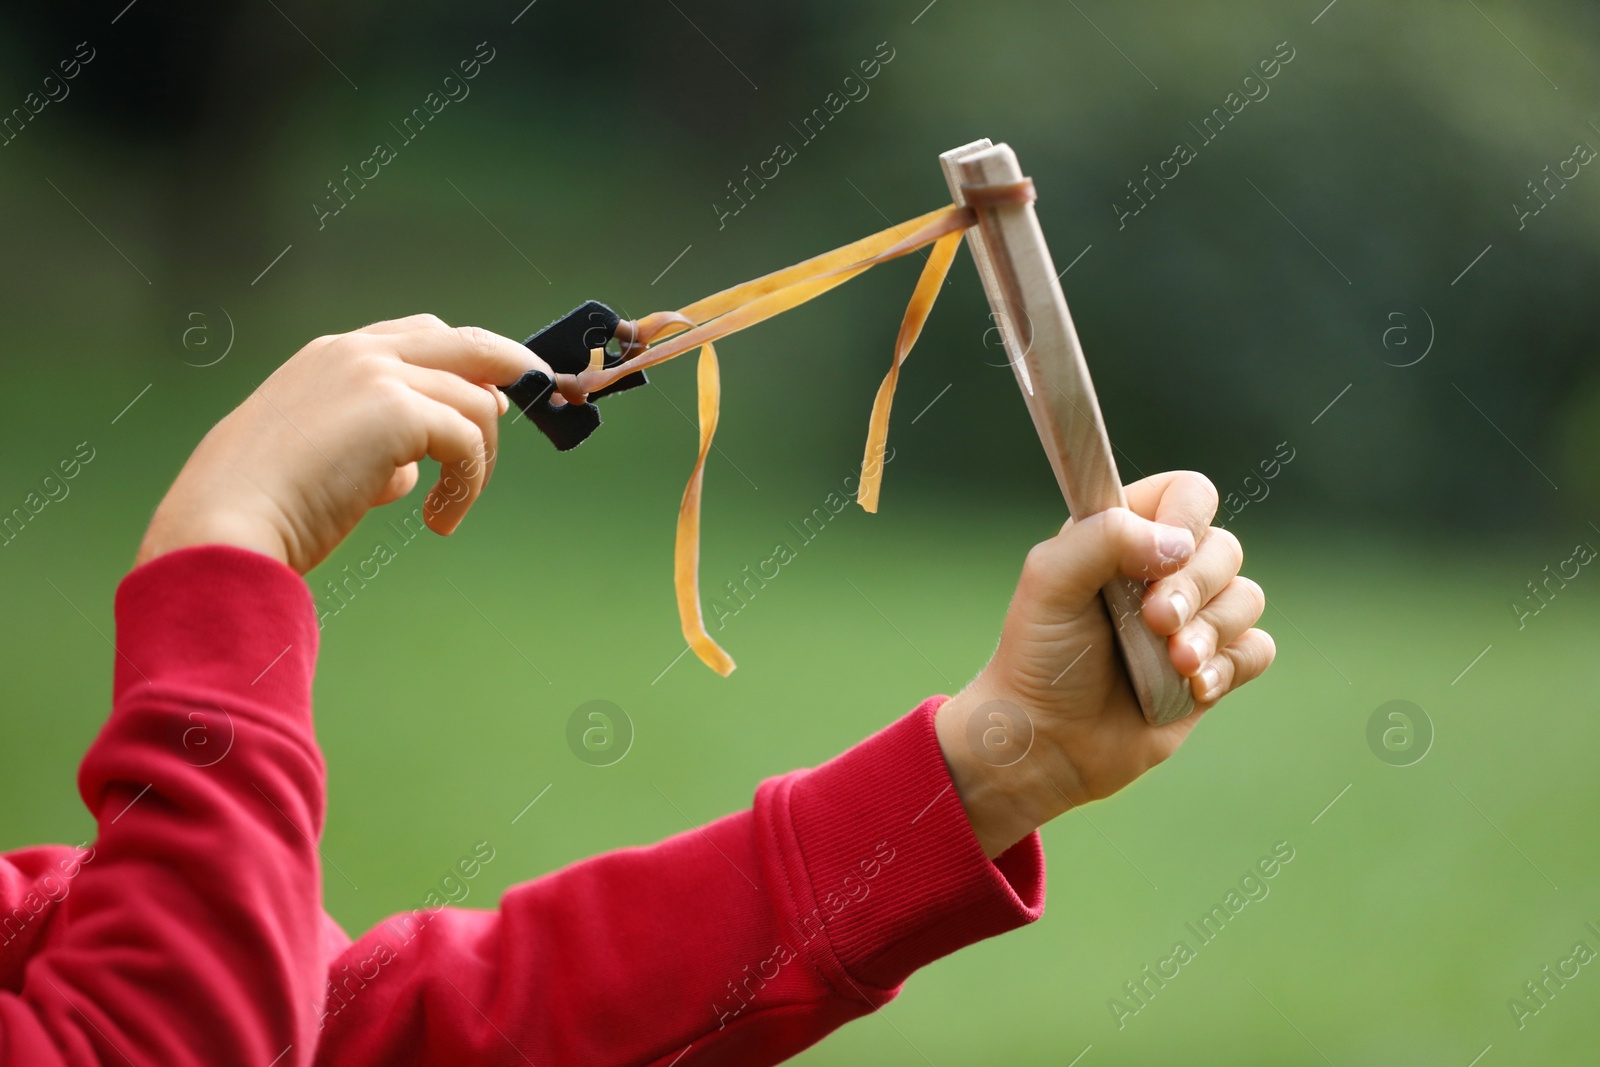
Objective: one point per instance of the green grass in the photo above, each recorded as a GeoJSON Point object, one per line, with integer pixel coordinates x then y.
{"type": "Point", "coordinates": [1398, 933]}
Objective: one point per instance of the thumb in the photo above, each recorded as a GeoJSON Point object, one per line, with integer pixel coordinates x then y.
{"type": "Point", "coordinates": [1067, 572]}
{"type": "Point", "coordinates": [401, 482]}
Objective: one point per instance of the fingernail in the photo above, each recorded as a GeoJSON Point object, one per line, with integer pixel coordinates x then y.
{"type": "Point", "coordinates": [1209, 679]}
{"type": "Point", "coordinates": [1174, 542]}
{"type": "Point", "coordinates": [1201, 649]}
{"type": "Point", "coordinates": [1180, 607]}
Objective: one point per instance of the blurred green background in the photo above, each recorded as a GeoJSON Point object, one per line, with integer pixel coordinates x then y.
{"type": "Point", "coordinates": [161, 215]}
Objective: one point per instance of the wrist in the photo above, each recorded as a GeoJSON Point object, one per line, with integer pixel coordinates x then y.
{"type": "Point", "coordinates": [173, 528]}
{"type": "Point", "coordinates": [999, 766]}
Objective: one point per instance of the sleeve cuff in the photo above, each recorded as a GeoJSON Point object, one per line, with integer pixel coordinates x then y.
{"type": "Point", "coordinates": [876, 855]}
{"type": "Point", "coordinates": [217, 619]}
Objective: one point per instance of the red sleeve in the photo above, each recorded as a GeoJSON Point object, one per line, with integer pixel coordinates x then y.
{"type": "Point", "coordinates": [190, 931]}
{"type": "Point", "coordinates": [742, 942]}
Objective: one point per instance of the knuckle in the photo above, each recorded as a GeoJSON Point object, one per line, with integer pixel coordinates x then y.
{"type": "Point", "coordinates": [1267, 648]}
{"type": "Point", "coordinates": [1201, 486]}
{"type": "Point", "coordinates": [1036, 564]}
{"type": "Point", "coordinates": [476, 340]}
{"type": "Point", "coordinates": [1117, 523]}
{"type": "Point", "coordinates": [349, 346]}
{"type": "Point", "coordinates": [1251, 656]}
{"type": "Point", "coordinates": [336, 351]}
{"type": "Point", "coordinates": [421, 321]}
{"type": "Point", "coordinates": [1232, 549]}
{"type": "Point", "coordinates": [1254, 595]}
{"type": "Point", "coordinates": [395, 393]}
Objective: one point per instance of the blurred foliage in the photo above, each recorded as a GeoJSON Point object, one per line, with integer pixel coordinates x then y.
{"type": "Point", "coordinates": [598, 141]}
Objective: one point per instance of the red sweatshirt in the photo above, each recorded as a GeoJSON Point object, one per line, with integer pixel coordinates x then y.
{"type": "Point", "coordinates": [191, 930]}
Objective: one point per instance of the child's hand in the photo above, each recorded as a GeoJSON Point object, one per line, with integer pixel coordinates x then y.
{"type": "Point", "coordinates": [338, 429]}
{"type": "Point", "coordinates": [1052, 721]}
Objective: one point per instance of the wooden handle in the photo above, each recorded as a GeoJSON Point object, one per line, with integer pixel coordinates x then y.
{"type": "Point", "coordinates": [1042, 346]}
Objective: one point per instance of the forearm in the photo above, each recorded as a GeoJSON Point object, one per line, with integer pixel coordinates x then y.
{"type": "Point", "coordinates": [746, 940]}
{"type": "Point", "coordinates": [192, 933]}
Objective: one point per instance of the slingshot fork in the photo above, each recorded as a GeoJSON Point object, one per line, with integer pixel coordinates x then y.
{"type": "Point", "coordinates": [1042, 347]}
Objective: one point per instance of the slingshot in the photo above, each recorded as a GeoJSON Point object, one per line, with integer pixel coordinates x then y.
{"type": "Point", "coordinates": [994, 201]}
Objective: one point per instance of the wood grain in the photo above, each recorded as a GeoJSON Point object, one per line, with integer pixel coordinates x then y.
{"type": "Point", "coordinates": [951, 163]}
{"type": "Point", "coordinates": [1042, 346]}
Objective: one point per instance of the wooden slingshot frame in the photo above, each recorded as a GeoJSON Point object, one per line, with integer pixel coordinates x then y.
{"type": "Point", "coordinates": [993, 208]}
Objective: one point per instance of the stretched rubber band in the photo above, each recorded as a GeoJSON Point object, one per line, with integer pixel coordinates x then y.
{"type": "Point", "coordinates": [664, 335]}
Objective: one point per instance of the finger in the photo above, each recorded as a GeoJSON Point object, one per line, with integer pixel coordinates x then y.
{"type": "Point", "coordinates": [1229, 614]}
{"type": "Point", "coordinates": [1177, 498]}
{"type": "Point", "coordinates": [473, 401]}
{"type": "Point", "coordinates": [1068, 570]}
{"type": "Point", "coordinates": [469, 351]}
{"type": "Point", "coordinates": [457, 443]}
{"type": "Point", "coordinates": [401, 482]}
{"type": "Point", "coordinates": [423, 321]}
{"type": "Point", "coordinates": [1176, 598]}
{"type": "Point", "coordinates": [1241, 661]}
